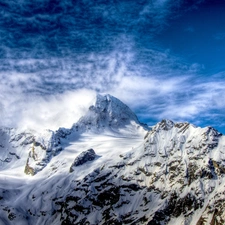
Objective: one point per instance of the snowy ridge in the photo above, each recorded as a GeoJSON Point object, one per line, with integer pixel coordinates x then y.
{"type": "Point", "coordinates": [174, 177]}
{"type": "Point", "coordinates": [108, 113]}
{"type": "Point", "coordinates": [107, 169]}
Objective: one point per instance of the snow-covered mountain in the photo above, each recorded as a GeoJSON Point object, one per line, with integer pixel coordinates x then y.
{"type": "Point", "coordinates": [108, 114]}
{"type": "Point", "coordinates": [111, 169]}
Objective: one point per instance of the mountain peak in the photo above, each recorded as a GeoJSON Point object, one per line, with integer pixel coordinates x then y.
{"type": "Point", "coordinates": [107, 112]}
{"type": "Point", "coordinates": [176, 172]}
{"type": "Point", "coordinates": [165, 124]}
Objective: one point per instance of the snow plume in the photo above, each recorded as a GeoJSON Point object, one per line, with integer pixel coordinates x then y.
{"type": "Point", "coordinates": [45, 112]}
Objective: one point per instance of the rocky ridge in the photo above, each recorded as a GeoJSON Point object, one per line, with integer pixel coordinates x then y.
{"type": "Point", "coordinates": [174, 176]}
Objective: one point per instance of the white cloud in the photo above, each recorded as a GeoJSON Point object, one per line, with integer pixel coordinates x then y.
{"type": "Point", "coordinates": [46, 112]}
{"type": "Point", "coordinates": [49, 92]}
{"type": "Point", "coordinates": [54, 97]}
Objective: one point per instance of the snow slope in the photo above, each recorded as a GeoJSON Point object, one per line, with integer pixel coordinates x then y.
{"type": "Point", "coordinates": [170, 174]}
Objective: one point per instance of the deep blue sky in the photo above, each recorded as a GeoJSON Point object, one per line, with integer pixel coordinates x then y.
{"type": "Point", "coordinates": [164, 58]}
{"type": "Point", "coordinates": [198, 36]}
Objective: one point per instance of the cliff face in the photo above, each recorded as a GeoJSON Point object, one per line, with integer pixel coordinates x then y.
{"type": "Point", "coordinates": [108, 169]}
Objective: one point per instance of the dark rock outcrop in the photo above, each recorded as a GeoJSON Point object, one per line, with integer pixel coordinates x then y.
{"type": "Point", "coordinates": [84, 157]}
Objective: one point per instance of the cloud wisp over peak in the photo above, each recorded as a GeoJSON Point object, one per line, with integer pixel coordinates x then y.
{"type": "Point", "coordinates": [56, 54]}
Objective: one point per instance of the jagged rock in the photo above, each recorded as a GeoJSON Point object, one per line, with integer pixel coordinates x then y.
{"type": "Point", "coordinates": [29, 170]}
{"type": "Point", "coordinates": [84, 157]}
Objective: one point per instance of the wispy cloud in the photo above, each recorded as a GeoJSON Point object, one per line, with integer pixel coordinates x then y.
{"type": "Point", "coordinates": [49, 97]}
{"type": "Point", "coordinates": [54, 60]}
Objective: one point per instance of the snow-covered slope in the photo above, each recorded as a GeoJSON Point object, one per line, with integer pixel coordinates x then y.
{"type": "Point", "coordinates": [107, 117]}
{"type": "Point", "coordinates": [108, 169]}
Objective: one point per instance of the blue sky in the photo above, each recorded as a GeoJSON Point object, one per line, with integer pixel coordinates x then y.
{"type": "Point", "coordinates": [163, 58]}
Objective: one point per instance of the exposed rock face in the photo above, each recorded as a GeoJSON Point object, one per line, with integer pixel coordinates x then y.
{"type": "Point", "coordinates": [28, 169]}
{"type": "Point", "coordinates": [42, 148]}
{"type": "Point", "coordinates": [84, 157]}
{"type": "Point", "coordinates": [9, 142]}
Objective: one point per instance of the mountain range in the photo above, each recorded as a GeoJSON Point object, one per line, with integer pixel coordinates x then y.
{"type": "Point", "coordinates": [111, 169]}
